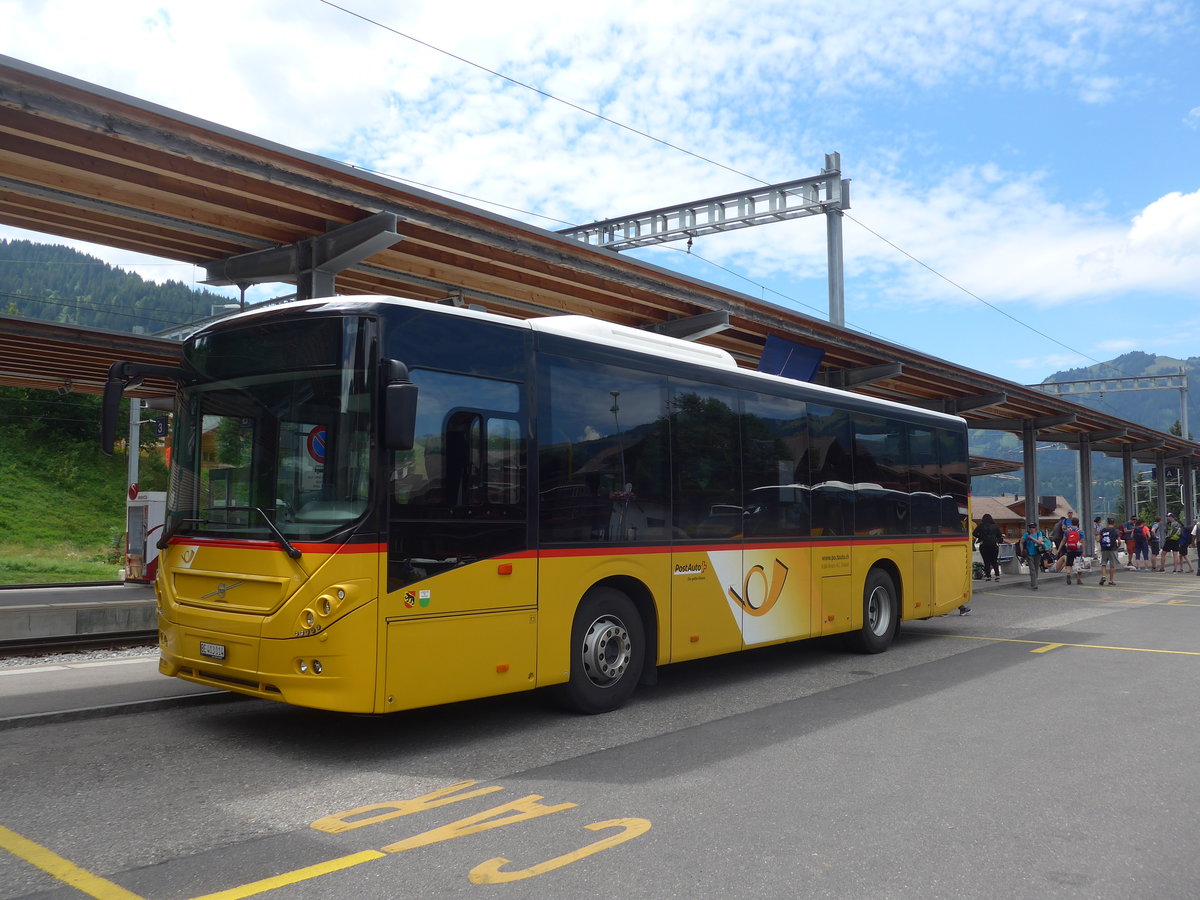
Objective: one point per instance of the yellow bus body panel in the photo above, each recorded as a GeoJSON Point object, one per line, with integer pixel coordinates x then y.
{"type": "Point", "coordinates": [443, 659]}
{"type": "Point", "coordinates": [503, 625]}
{"type": "Point", "coordinates": [270, 614]}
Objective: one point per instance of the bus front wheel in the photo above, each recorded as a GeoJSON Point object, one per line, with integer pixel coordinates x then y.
{"type": "Point", "coordinates": [608, 647]}
{"type": "Point", "coordinates": [881, 616]}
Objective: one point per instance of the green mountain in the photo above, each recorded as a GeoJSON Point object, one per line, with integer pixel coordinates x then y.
{"type": "Point", "coordinates": [1159, 409]}
{"type": "Point", "coordinates": [58, 284]}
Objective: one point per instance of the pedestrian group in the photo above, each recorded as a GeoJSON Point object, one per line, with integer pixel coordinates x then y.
{"type": "Point", "coordinates": [1148, 546]}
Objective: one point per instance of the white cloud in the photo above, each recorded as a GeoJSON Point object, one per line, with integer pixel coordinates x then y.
{"type": "Point", "coordinates": [764, 86]}
{"type": "Point", "coordinates": [1117, 346]}
{"type": "Point", "coordinates": [1009, 242]}
{"type": "Point", "coordinates": [1192, 119]}
{"type": "Point", "coordinates": [1169, 226]}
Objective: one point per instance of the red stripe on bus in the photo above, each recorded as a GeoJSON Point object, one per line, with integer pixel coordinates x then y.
{"type": "Point", "coordinates": [750, 545]}
{"type": "Point", "coordinates": [304, 547]}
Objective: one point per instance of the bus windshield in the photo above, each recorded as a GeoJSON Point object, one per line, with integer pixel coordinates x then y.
{"type": "Point", "coordinates": [274, 443]}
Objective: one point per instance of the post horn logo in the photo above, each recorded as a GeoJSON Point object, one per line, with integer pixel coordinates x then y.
{"type": "Point", "coordinates": [755, 600]}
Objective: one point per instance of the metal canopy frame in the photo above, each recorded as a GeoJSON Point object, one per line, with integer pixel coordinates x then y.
{"type": "Point", "coordinates": [811, 196]}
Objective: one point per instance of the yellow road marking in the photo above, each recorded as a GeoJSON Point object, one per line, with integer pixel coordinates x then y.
{"type": "Point", "coordinates": [295, 877]}
{"type": "Point", "coordinates": [1046, 649]}
{"type": "Point", "coordinates": [1052, 645]}
{"type": "Point", "coordinates": [62, 869]}
{"type": "Point", "coordinates": [490, 871]}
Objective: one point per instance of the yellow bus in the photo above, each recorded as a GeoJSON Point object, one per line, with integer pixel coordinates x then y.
{"type": "Point", "coordinates": [378, 504]}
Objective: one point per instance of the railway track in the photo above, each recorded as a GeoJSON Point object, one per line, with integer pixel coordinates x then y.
{"type": "Point", "coordinates": [116, 640]}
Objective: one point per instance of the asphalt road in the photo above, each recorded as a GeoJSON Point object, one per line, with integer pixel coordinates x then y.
{"type": "Point", "coordinates": [1044, 746]}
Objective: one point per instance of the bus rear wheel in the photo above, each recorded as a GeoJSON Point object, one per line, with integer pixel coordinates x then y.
{"type": "Point", "coordinates": [608, 647]}
{"type": "Point", "coordinates": [881, 614]}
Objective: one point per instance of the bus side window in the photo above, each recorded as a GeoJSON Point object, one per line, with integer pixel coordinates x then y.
{"type": "Point", "coordinates": [503, 465]}
{"type": "Point", "coordinates": [775, 467]}
{"type": "Point", "coordinates": [832, 471]}
{"type": "Point", "coordinates": [461, 456]}
{"type": "Point", "coordinates": [464, 459]}
{"type": "Point", "coordinates": [924, 481]}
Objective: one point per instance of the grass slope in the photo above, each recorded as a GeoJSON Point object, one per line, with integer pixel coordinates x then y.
{"type": "Point", "coordinates": [62, 513]}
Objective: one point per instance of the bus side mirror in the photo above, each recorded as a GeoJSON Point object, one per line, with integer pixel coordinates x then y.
{"type": "Point", "coordinates": [399, 407]}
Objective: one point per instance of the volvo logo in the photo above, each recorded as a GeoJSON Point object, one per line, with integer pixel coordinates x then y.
{"type": "Point", "coordinates": [222, 589]}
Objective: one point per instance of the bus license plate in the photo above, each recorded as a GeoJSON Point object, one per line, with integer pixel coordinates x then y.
{"type": "Point", "coordinates": [212, 651]}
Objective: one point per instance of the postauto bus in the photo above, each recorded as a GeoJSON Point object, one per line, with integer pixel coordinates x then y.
{"type": "Point", "coordinates": [377, 504]}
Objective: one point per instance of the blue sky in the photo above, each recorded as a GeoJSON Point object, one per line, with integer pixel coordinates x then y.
{"type": "Point", "coordinates": [1040, 161]}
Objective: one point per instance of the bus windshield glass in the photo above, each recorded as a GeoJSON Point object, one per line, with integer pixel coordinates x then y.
{"type": "Point", "coordinates": [275, 441]}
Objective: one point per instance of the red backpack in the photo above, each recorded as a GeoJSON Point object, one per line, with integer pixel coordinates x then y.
{"type": "Point", "coordinates": [1072, 539]}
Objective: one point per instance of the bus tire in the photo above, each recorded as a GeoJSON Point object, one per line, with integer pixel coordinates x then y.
{"type": "Point", "coordinates": [881, 614]}
{"type": "Point", "coordinates": [608, 649]}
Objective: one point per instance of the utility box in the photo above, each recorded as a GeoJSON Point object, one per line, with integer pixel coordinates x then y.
{"type": "Point", "coordinates": [145, 512]}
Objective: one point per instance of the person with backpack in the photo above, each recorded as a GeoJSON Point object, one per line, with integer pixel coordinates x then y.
{"type": "Point", "coordinates": [987, 532]}
{"type": "Point", "coordinates": [1171, 533]}
{"type": "Point", "coordinates": [1056, 536]}
{"type": "Point", "coordinates": [1185, 541]}
{"type": "Point", "coordinates": [1109, 540]}
{"type": "Point", "coordinates": [1141, 545]}
{"type": "Point", "coordinates": [1070, 548]}
{"type": "Point", "coordinates": [1031, 544]}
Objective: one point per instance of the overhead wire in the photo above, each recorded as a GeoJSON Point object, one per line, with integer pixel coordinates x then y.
{"type": "Point", "coordinates": [699, 156]}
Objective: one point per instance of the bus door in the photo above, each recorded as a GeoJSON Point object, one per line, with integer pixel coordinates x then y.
{"type": "Point", "coordinates": [707, 573]}
{"type": "Point", "coordinates": [925, 488]}
{"type": "Point", "coordinates": [952, 566]}
{"type": "Point", "coordinates": [776, 591]}
{"type": "Point", "coordinates": [460, 604]}
{"type": "Point", "coordinates": [837, 602]}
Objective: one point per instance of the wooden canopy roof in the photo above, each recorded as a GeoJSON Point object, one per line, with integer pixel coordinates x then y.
{"type": "Point", "coordinates": [79, 161]}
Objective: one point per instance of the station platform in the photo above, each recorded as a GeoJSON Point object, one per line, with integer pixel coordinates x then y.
{"type": "Point", "coordinates": [69, 687]}
{"type": "Point", "coordinates": [90, 688]}
{"type": "Point", "coordinates": [32, 611]}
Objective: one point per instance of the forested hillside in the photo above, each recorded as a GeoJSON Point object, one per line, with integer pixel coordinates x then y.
{"type": "Point", "coordinates": [58, 284]}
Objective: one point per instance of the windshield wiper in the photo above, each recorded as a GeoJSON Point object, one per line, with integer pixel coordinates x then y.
{"type": "Point", "coordinates": [288, 547]}
{"type": "Point", "coordinates": [293, 551]}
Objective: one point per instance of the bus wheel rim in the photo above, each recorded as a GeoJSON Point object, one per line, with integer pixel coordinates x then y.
{"type": "Point", "coordinates": [607, 651]}
{"type": "Point", "coordinates": [879, 611]}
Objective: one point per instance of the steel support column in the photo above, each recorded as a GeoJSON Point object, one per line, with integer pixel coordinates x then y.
{"type": "Point", "coordinates": [1085, 491]}
{"type": "Point", "coordinates": [1029, 452]}
{"type": "Point", "coordinates": [1189, 492]}
{"type": "Point", "coordinates": [1160, 483]}
{"type": "Point", "coordinates": [1127, 480]}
